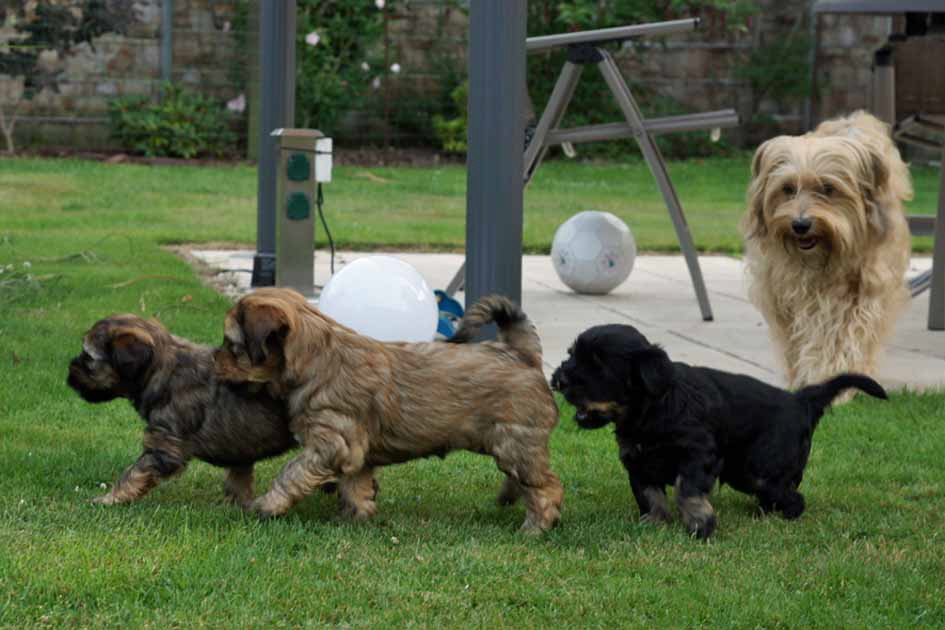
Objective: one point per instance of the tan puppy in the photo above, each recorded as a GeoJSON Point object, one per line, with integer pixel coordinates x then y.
{"type": "Point", "coordinates": [356, 404]}
{"type": "Point", "coordinates": [827, 245]}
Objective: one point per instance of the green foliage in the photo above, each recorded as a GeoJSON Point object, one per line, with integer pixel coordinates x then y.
{"type": "Point", "coordinates": [183, 124]}
{"type": "Point", "coordinates": [334, 74]}
{"type": "Point", "coordinates": [778, 70]}
{"type": "Point", "coordinates": [452, 132]}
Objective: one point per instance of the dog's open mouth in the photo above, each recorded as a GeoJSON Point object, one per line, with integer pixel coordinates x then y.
{"type": "Point", "coordinates": [807, 242]}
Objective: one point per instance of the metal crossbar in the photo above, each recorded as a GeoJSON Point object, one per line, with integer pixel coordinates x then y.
{"type": "Point", "coordinates": [583, 50]}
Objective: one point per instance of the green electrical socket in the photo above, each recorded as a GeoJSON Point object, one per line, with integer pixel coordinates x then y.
{"type": "Point", "coordinates": [298, 168]}
{"type": "Point", "coordinates": [298, 206]}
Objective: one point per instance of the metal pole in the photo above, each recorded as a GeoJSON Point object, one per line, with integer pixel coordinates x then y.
{"type": "Point", "coordinates": [937, 292]}
{"type": "Point", "coordinates": [495, 155]}
{"type": "Point", "coordinates": [616, 34]}
{"type": "Point", "coordinates": [813, 33]}
{"type": "Point", "coordinates": [167, 39]}
{"type": "Point", "coordinates": [654, 160]}
{"type": "Point", "coordinates": [277, 69]}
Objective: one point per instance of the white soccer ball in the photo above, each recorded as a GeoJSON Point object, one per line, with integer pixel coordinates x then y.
{"type": "Point", "coordinates": [382, 297]}
{"type": "Point", "coordinates": [593, 252]}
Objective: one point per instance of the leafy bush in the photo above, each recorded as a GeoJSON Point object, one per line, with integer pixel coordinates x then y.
{"type": "Point", "coordinates": [452, 132]}
{"type": "Point", "coordinates": [182, 124]}
{"type": "Point", "coordinates": [336, 58]}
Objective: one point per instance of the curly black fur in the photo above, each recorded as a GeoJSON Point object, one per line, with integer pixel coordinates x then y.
{"type": "Point", "coordinates": [690, 426]}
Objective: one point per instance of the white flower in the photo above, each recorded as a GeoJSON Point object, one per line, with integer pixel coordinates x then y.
{"type": "Point", "coordinates": [312, 39]}
{"type": "Point", "coordinates": [238, 104]}
{"type": "Point", "coordinates": [365, 66]}
{"type": "Point", "coordinates": [379, 4]}
{"type": "Point", "coordinates": [376, 83]}
{"type": "Point", "coordinates": [395, 68]}
{"type": "Point", "coordinates": [27, 264]}
{"type": "Point", "coordinates": [103, 485]}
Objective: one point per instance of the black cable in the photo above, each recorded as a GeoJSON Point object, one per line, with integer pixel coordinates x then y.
{"type": "Point", "coordinates": [319, 201]}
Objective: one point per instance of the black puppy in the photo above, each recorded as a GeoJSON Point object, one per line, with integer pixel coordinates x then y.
{"type": "Point", "coordinates": [688, 426]}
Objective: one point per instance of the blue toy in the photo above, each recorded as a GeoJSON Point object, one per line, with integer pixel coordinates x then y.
{"type": "Point", "coordinates": [451, 312]}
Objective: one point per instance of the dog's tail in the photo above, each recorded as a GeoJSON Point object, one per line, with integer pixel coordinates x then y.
{"type": "Point", "coordinates": [820, 396]}
{"type": "Point", "coordinates": [515, 329]}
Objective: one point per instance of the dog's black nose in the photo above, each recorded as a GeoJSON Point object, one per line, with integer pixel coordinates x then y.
{"type": "Point", "coordinates": [801, 225]}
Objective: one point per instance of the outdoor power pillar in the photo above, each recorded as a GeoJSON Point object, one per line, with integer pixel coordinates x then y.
{"type": "Point", "coordinates": [303, 160]}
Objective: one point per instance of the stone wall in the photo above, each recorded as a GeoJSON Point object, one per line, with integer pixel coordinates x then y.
{"type": "Point", "coordinates": [426, 39]}
{"type": "Point", "coordinates": [79, 80]}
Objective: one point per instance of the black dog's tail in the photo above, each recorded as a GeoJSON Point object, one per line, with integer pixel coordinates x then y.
{"type": "Point", "coordinates": [820, 396]}
{"type": "Point", "coordinates": [515, 329]}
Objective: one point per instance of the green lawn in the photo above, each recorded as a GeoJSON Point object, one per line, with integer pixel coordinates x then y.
{"type": "Point", "coordinates": [374, 208]}
{"type": "Point", "coordinates": [870, 551]}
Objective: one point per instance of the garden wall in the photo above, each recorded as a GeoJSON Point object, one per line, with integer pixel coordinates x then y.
{"type": "Point", "coordinates": [426, 40]}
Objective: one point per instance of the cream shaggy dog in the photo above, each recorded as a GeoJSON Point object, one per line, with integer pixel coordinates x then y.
{"type": "Point", "coordinates": [827, 245]}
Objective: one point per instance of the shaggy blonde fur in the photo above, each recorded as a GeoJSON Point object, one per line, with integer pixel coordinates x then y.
{"type": "Point", "coordinates": [831, 297]}
{"type": "Point", "coordinates": [357, 404]}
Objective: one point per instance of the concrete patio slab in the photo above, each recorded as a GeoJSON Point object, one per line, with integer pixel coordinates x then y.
{"type": "Point", "coordinates": [658, 299]}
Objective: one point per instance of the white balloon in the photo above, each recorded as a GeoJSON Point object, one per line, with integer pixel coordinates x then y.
{"type": "Point", "coordinates": [593, 252]}
{"type": "Point", "coordinates": [381, 297]}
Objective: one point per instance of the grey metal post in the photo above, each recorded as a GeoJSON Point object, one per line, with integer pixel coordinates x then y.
{"type": "Point", "coordinates": [937, 291]}
{"type": "Point", "coordinates": [654, 160]}
{"type": "Point", "coordinates": [167, 39]}
{"type": "Point", "coordinates": [495, 158]}
{"type": "Point", "coordinates": [277, 69]}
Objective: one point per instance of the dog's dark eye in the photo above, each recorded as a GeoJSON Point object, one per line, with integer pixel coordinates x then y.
{"type": "Point", "coordinates": [828, 190]}
{"type": "Point", "coordinates": [789, 190]}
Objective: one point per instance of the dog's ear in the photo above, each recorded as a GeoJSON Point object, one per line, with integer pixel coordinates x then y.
{"type": "Point", "coordinates": [652, 370]}
{"type": "Point", "coordinates": [132, 350]}
{"type": "Point", "coordinates": [265, 328]}
{"type": "Point", "coordinates": [753, 223]}
{"type": "Point", "coordinates": [874, 180]}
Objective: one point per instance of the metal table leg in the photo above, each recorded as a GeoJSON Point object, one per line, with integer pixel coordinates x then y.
{"type": "Point", "coordinates": [658, 168]}
{"type": "Point", "coordinates": [937, 293]}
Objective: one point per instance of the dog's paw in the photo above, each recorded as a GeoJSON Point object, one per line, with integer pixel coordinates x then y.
{"type": "Point", "coordinates": [263, 509]}
{"type": "Point", "coordinates": [656, 517]}
{"type": "Point", "coordinates": [358, 513]}
{"type": "Point", "coordinates": [792, 506]}
{"type": "Point", "coordinates": [106, 499]}
{"type": "Point", "coordinates": [704, 529]}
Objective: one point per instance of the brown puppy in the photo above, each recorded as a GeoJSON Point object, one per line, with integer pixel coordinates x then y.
{"type": "Point", "coordinates": [357, 404]}
{"type": "Point", "coordinates": [189, 413]}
